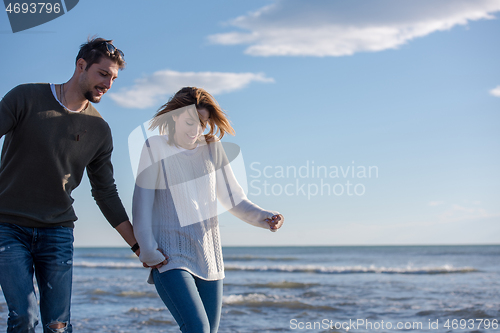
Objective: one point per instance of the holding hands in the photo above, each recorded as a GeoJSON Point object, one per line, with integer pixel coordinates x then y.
{"type": "Point", "coordinates": [164, 262]}
{"type": "Point", "coordinates": [275, 222]}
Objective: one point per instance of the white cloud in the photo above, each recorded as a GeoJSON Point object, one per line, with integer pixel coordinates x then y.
{"type": "Point", "coordinates": [495, 91]}
{"type": "Point", "coordinates": [460, 213]}
{"type": "Point", "coordinates": [154, 89]}
{"type": "Point", "coordinates": [338, 28]}
{"type": "Point", "coordinates": [436, 203]}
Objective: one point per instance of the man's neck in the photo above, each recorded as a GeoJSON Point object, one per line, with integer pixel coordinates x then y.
{"type": "Point", "coordinates": [71, 97]}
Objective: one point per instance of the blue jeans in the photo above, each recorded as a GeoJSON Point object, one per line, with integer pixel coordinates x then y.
{"type": "Point", "coordinates": [193, 302]}
{"type": "Point", "coordinates": [47, 253]}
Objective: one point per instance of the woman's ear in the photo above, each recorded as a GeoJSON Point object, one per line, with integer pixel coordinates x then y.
{"type": "Point", "coordinates": [175, 117]}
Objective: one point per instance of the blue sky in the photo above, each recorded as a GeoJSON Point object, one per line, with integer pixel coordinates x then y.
{"type": "Point", "coordinates": [411, 89]}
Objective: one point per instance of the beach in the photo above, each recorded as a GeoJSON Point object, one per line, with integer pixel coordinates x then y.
{"type": "Point", "coordinates": [303, 289]}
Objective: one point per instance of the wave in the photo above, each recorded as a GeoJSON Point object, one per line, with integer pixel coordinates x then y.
{"type": "Point", "coordinates": [110, 265]}
{"type": "Point", "coordinates": [157, 322]}
{"type": "Point", "coordinates": [137, 294]}
{"type": "Point", "coordinates": [155, 316]}
{"type": "Point", "coordinates": [466, 313]}
{"type": "Point", "coordinates": [146, 311]}
{"type": "Point", "coordinates": [106, 255]}
{"type": "Point", "coordinates": [260, 258]}
{"type": "Point", "coordinates": [261, 300]}
{"type": "Point", "coordinates": [318, 269]}
{"type": "Point", "coordinates": [124, 293]}
{"type": "Point", "coordinates": [278, 285]}
{"type": "Point", "coordinates": [99, 292]}
{"type": "Point", "coordinates": [446, 269]}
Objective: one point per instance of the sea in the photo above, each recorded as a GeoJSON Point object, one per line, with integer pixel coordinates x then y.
{"type": "Point", "coordinates": [303, 289]}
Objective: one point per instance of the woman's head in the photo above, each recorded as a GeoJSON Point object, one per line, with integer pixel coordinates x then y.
{"type": "Point", "coordinates": [177, 114]}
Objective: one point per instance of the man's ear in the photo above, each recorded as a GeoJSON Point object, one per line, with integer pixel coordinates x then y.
{"type": "Point", "coordinates": [81, 65]}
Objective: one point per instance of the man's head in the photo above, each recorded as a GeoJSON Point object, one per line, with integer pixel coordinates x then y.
{"type": "Point", "coordinates": [97, 48]}
{"type": "Point", "coordinates": [97, 66]}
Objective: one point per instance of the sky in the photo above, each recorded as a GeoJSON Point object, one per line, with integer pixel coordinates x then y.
{"type": "Point", "coordinates": [362, 122]}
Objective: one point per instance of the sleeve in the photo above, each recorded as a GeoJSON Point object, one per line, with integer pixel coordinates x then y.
{"type": "Point", "coordinates": [233, 198]}
{"type": "Point", "coordinates": [100, 173]}
{"type": "Point", "coordinates": [142, 207]}
{"type": "Point", "coordinates": [9, 111]}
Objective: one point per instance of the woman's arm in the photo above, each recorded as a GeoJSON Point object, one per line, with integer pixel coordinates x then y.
{"type": "Point", "coordinates": [143, 205]}
{"type": "Point", "coordinates": [233, 198]}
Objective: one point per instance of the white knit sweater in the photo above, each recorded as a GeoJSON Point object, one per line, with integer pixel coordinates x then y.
{"type": "Point", "coordinates": [175, 206]}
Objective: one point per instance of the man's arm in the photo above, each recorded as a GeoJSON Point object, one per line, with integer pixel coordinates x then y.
{"type": "Point", "coordinates": [100, 173]}
{"type": "Point", "coordinates": [9, 111]}
{"type": "Point", "coordinates": [127, 232]}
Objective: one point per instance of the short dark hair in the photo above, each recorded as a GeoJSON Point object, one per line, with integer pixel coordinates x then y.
{"type": "Point", "coordinates": [95, 49]}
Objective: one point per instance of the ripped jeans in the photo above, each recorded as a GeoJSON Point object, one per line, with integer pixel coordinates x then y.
{"type": "Point", "coordinates": [47, 253]}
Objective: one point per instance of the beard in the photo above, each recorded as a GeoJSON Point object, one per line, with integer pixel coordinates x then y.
{"type": "Point", "coordinates": [94, 99]}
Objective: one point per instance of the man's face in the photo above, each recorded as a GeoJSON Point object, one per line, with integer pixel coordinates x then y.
{"type": "Point", "coordinates": [98, 79]}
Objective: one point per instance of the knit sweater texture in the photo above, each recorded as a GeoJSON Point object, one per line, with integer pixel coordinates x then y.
{"type": "Point", "coordinates": [46, 150]}
{"type": "Point", "coordinates": [175, 206]}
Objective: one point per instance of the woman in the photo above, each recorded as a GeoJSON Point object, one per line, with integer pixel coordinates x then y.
{"type": "Point", "coordinates": [182, 174]}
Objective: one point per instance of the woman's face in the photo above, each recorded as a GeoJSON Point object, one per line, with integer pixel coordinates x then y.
{"type": "Point", "coordinates": [189, 128]}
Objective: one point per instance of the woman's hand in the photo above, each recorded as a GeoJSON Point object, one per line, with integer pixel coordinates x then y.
{"type": "Point", "coordinates": [164, 262]}
{"type": "Point", "coordinates": [275, 222]}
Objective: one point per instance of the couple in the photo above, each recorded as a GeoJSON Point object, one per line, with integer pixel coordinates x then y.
{"type": "Point", "coordinates": [53, 133]}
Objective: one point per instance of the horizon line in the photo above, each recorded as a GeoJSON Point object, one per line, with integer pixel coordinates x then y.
{"type": "Point", "coordinates": [311, 245]}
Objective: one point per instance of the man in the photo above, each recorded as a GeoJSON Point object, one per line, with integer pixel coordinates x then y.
{"type": "Point", "coordinates": [52, 134]}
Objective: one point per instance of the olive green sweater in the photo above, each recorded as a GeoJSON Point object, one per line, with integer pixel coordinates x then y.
{"type": "Point", "coordinates": [45, 153]}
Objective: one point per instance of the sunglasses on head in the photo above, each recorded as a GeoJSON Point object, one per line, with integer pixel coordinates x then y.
{"type": "Point", "coordinates": [111, 48]}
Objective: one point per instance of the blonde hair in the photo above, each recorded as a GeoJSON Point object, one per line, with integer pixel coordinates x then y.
{"type": "Point", "coordinates": [219, 124]}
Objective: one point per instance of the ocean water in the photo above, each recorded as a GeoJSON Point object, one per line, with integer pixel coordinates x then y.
{"type": "Point", "coordinates": [304, 289]}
